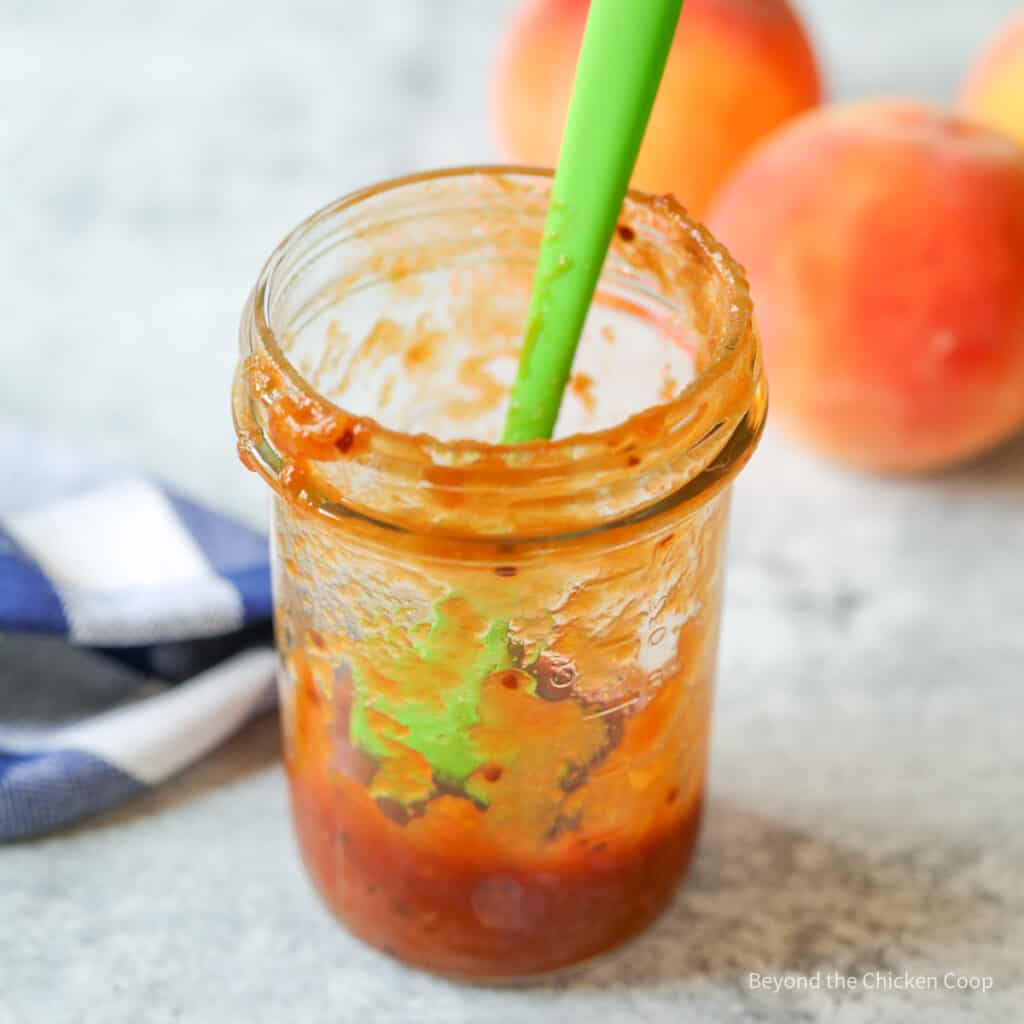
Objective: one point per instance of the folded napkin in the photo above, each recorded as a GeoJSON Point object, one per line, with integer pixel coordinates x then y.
{"type": "Point", "coordinates": [134, 633]}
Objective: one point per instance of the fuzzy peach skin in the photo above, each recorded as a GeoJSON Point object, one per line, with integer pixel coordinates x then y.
{"type": "Point", "coordinates": [737, 70]}
{"type": "Point", "coordinates": [994, 90]}
{"type": "Point", "coordinates": [884, 244]}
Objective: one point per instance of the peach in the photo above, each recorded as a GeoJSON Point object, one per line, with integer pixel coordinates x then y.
{"type": "Point", "coordinates": [884, 244]}
{"type": "Point", "coordinates": [737, 70]}
{"type": "Point", "coordinates": [994, 91]}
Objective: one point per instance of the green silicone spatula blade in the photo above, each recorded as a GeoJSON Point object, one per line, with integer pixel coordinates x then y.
{"type": "Point", "coordinates": [625, 46]}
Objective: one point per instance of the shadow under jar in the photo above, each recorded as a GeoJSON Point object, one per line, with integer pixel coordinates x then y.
{"type": "Point", "coordinates": [497, 661]}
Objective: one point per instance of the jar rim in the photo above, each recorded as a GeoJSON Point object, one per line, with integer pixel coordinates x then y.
{"type": "Point", "coordinates": [733, 341]}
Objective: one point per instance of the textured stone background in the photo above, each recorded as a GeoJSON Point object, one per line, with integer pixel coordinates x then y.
{"type": "Point", "coordinates": [866, 808]}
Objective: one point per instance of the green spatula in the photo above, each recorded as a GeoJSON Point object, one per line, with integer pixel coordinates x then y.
{"type": "Point", "coordinates": [625, 46]}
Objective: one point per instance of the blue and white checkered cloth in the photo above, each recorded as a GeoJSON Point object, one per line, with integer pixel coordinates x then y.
{"type": "Point", "coordinates": [115, 590]}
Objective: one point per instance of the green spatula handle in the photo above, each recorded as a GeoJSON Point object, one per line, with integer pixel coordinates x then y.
{"type": "Point", "coordinates": [625, 46]}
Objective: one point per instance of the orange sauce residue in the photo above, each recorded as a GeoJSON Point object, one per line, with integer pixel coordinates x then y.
{"type": "Point", "coordinates": [466, 890]}
{"type": "Point", "coordinates": [582, 386]}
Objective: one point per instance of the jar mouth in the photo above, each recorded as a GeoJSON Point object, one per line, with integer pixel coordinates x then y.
{"type": "Point", "coordinates": [726, 395]}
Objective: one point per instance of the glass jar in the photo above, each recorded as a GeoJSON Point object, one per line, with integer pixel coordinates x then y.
{"type": "Point", "coordinates": [497, 661]}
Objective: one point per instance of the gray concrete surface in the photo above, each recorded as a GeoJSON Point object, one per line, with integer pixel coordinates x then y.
{"type": "Point", "coordinates": [866, 817]}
